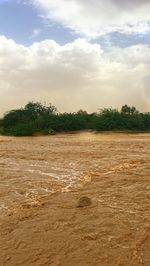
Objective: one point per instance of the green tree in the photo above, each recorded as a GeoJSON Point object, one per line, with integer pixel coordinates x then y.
{"type": "Point", "coordinates": [129, 110]}
{"type": "Point", "coordinates": [34, 117]}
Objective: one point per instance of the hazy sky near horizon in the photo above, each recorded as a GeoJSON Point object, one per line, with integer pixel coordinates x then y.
{"type": "Point", "coordinates": [75, 54]}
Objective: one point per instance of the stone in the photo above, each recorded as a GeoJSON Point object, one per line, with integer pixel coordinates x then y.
{"type": "Point", "coordinates": [84, 202]}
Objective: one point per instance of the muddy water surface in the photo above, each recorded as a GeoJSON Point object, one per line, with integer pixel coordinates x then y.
{"type": "Point", "coordinates": [41, 181]}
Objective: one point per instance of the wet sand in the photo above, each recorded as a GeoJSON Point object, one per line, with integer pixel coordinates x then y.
{"type": "Point", "coordinates": [41, 181]}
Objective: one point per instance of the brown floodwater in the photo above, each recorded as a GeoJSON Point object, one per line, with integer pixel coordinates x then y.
{"type": "Point", "coordinates": [41, 180]}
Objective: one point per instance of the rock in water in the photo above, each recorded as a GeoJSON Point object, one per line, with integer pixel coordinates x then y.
{"type": "Point", "coordinates": [84, 202]}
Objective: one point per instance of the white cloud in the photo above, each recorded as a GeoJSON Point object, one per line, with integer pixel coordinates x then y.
{"type": "Point", "coordinates": [93, 18]}
{"type": "Point", "coordinates": [73, 76]}
{"type": "Point", "coordinates": [35, 33]}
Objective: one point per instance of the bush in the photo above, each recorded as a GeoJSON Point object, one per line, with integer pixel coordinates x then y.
{"type": "Point", "coordinates": [21, 129]}
{"type": "Point", "coordinates": [1, 130]}
{"type": "Point", "coordinates": [36, 118]}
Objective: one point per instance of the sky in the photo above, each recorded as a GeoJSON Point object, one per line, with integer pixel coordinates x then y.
{"type": "Point", "coordinates": [75, 54]}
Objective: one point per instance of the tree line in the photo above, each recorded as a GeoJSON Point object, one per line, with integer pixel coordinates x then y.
{"type": "Point", "coordinates": [36, 118]}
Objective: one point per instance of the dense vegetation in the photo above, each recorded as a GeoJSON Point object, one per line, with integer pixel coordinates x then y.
{"type": "Point", "coordinates": [36, 118]}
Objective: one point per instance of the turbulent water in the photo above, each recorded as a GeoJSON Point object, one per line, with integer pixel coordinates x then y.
{"type": "Point", "coordinates": [41, 180]}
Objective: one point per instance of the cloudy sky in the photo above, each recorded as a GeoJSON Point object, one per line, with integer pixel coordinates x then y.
{"type": "Point", "coordinates": [75, 54]}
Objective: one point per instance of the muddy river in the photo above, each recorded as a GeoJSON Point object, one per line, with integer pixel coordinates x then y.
{"type": "Point", "coordinates": [41, 180]}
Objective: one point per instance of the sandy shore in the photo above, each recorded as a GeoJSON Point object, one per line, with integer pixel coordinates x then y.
{"type": "Point", "coordinates": [41, 181]}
